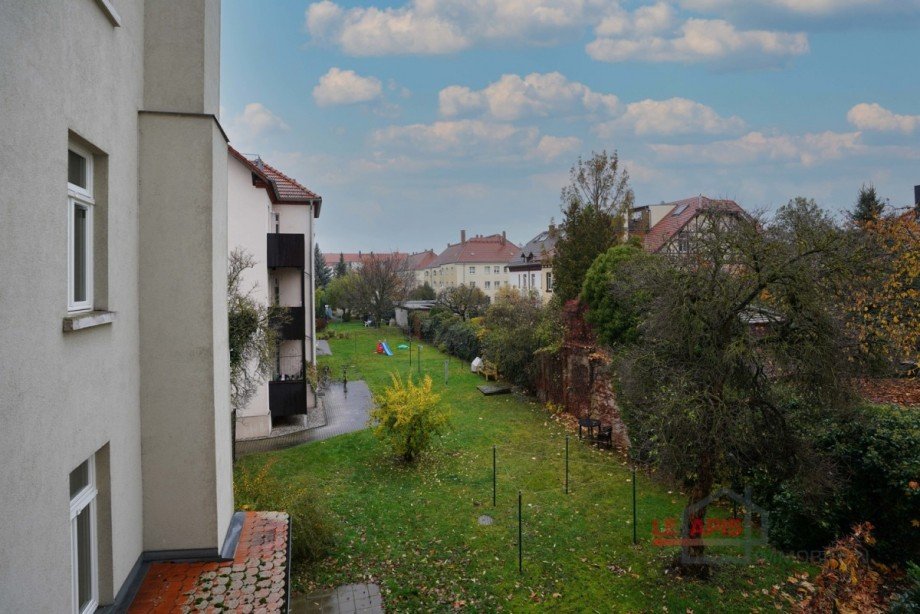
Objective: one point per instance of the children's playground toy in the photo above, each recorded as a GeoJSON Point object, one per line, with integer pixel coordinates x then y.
{"type": "Point", "coordinates": [383, 348]}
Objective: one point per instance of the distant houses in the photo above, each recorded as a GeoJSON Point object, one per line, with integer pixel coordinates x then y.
{"type": "Point", "coordinates": [532, 269]}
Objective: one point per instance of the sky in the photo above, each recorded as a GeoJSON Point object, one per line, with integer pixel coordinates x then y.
{"type": "Point", "coordinates": [414, 119]}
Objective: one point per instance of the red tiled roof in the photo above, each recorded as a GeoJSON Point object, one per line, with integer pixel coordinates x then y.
{"type": "Point", "coordinates": [332, 258]}
{"type": "Point", "coordinates": [682, 211]}
{"type": "Point", "coordinates": [281, 188]}
{"type": "Point", "coordinates": [493, 248]}
{"type": "Point", "coordinates": [421, 260]}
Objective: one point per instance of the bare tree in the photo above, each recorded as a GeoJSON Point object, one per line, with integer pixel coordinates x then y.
{"type": "Point", "coordinates": [381, 282]}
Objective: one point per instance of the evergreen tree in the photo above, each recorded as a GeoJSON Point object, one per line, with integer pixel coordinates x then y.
{"type": "Point", "coordinates": [341, 270]}
{"type": "Point", "coordinates": [868, 206]}
{"type": "Point", "coordinates": [596, 203]}
{"type": "Point", "coordinates": [321, 273]}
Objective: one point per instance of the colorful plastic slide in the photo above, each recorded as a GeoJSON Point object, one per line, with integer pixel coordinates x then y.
{"type": "Point", "coordinates": [386, 348]}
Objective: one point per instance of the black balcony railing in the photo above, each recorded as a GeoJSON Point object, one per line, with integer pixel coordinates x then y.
{"type": "Point", "coordinates": [287, 397]}
{"type": "Point", "coordinates": [285, 250]}
{"type": "Point", "coordinates": [289, 323]}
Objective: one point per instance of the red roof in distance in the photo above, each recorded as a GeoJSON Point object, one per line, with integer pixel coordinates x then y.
{"type": "Point", "coordinates": [680, 214]}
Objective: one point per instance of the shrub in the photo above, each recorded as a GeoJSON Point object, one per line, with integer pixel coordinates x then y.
{"type": "Point", "coordinates": [511, 336]}
{"type": "Point", "coordinates": [614, 317]}
{"type": "Point", "coordinates": [909, 600]}
{"type": "Point", "coordinates": [312, 531]}
{"type": "Point", "coordinates": [407, 416]}
{"type": "Point", "coordinates": [871, 459]}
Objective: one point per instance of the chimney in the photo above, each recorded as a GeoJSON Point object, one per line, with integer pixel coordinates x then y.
{"type": "Point", "coordinates": [463, 236]}
{"type": "Point", "coordinates": [917, 195]}
{"type": "Point", "coordinates": [504, 238]}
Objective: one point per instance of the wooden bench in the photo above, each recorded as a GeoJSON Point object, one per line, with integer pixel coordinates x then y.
{"type": "Point", "coordinates": [489, 371]}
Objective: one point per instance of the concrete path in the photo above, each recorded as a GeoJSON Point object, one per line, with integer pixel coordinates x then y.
{"type": "Point", "coordinates": [348, 599]}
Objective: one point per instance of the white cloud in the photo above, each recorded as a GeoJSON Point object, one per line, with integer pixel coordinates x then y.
{"type": "Point", "coordinates": [428, 27]}
{"type": "Point", "coordinates": [551, 147]}
{"type": "Point", "coordinates": [345, 87]}
{"type": "Point", "coordinates": [255, 120]}
{"type": "Point", "coordinates": [643, 21]}
{"type": "Point", "coordinates": [865, 116]}
{"type": "Point", "coordinates": [807, 149]}
{"type": "Point", "coordinates": [513, 97]}
{"type": "Point", "coordinates": [803, 7]}
{"type": "Point", "coordinates": [669, 117]}
{"type": "Point", "coordinates": [702, 40]}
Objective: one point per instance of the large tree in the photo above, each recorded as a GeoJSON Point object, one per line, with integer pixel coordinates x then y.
{"type": "Point", "coordinates": [465, 301]}
{"type": "Point", "coordinates": [727, 335]}
{"type": "Point", "coordinates": [380, 283]}
{"type": "Point", "coordinates": [595, 206]}
{"type": "Point", "coordinates": [341, 269]}
{"type": "Point", "coordinates": [321, 273]}
{"type": "Point", "coordinates": [423, 293]}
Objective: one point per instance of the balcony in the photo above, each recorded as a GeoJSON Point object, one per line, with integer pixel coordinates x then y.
{"type": "Point", "coordinates": [287, 398]}
{"type": "Point", "coordinates": [293, 326]}
{"type": "Point", "coordinates": [285, 250]}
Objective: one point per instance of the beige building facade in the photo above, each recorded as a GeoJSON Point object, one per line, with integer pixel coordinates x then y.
{"type": "Point", "coordinates": [114, 379]}
{"type": "Point", "coordinates": [479, 261]}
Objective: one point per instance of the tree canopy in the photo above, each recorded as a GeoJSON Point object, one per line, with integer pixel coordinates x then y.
{"type": "Point", "coordinates": [465, 301]}
{"type": "Point", "coordinates": [321, 273]}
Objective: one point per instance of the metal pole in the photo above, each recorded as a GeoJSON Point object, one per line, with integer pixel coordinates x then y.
{"type": "Point", "coordinates": [566, 464]}
{"type": "Point", "coordinates": [494, 480]}
{"type": "Point", "coordinates": [446, 368]}
{"type": "Point", "coordinates": [635, 536]}
{"type": "Point", "coordinates": [419, 360]}
{"type": "Point", "coordinates": [520, 538]}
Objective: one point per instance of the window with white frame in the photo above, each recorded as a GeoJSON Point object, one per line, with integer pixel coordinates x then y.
{"type": "Point", "coordinates": [472, 284]}
{"type": "Point", "coordinates": [472, 270]}
{"type": "Point", "coordinates": [83, 546]}
{"type": "Point", "coordinates": [80, 204]}
{"type": "Point", "coordinates": [549, 282]}
{"type": "Point", "coordinates": [488, 285]}
{"type": "Point", "coordinates": [496, 269]}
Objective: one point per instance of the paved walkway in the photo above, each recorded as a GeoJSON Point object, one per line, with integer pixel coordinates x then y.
{"type": "Point", "coordinates": [254, 581]}
{"type": "Point", "coordinates": [339, 412]}
{"type": "Point", "coordinates": [348, 599]}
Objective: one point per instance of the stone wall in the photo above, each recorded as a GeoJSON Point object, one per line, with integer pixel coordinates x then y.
{"type": "Point", "coordinates": [578, 377]}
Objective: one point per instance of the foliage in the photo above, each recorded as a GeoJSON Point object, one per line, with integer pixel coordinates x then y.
{"type": "Point", "coordinates": [869, 207]}
{"type": "Point", "coordinates": [857, 459]}
{"type": "Point", "coordinates": [341, 269]}
{"type": "Point", "coordinates": [615, 318]}
{"type": "Point", "coordinates": [885, 300]}
{"type": "Point", "coordinates": [465, 301]}
{"type": "Point", "coordinates": [700, 393]}
{"type": "Point", "coordinates": [908, 601]}
{"type": "Point", "coordinates": [322, 275]}
{"type": "Point", "coordinates": [380, 283]}
{"type": "Point", "coordinates": [252, 332]}
{"type": "Point", "coordinates": [847, 584]}
{"type": "Point", "coordinates": [510, 339]}
{"type": "Point", "coordinates": [595, 203]}
{"type": "Point", "coordinates": [448, 332]}
{"type": "Point", "coordinates": [312, 531]}
{"type": "Point", "coordinates": [407, 415]}
{"type": "Point", "coordinates": [423, 293]}
{"type": "Point", "coordinates": [337, 294]}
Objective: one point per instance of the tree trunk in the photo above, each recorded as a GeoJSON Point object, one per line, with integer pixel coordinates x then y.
{"type": "Point", "coordinates": [691, 559]}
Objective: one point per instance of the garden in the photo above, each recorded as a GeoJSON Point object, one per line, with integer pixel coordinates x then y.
{"type": "Point", "coordinates": [413, 528]}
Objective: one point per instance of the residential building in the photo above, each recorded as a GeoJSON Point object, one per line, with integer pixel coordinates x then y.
{"type": "Point", "coordinates": [480, 261]}
{"type": "Point", "coordinates": [353, 260]}
{"type": "Point", "coordinates": [271, 217]}
{"type": "Point", "coordinates": [531, 270]}
{"type": "Point", "coordinates": [670, 227]}
{"type": "Point", "coordinates": [419, 262]}
{"type": "Point", "coordinates": [115, 437]}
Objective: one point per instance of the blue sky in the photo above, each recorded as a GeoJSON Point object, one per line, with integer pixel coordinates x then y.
{"type": "Point", "coordinates": [416, 118]}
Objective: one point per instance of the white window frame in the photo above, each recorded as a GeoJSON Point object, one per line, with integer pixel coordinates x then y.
{"type": "Point", "coordinates": [472, 270]}
{"type": "Point", "coordinates": [78, 196]}
{"type": "Point", "coordinates": [80, 501]}
{"type": "Point", "coordinates": [496, 269]}
{"type": "Point", "coordinates": [488, 284]}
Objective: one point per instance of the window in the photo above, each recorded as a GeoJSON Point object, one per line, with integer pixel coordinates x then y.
{"type": "Point", "coordinates": [472, 284]}
{"type": "Point", "coordinates": [549, 282]}
{"type": "Point", "coordinates": [488, 285]}
{"type": "Point", "coordinates": [84, 554]}
{"type": "Point", "coordinates": [472, 270]}
{"type": "Point", "coordinates": [533, 280]}
{"type": "Point", "coordinates": [683, 243]}
{"type": "Point", "coordinates": [506, 269]}
{"type": "Point", "coordinates": [496, 269]}
{"type": "Point", "coordinates": [680, 209]}
{"type": "Point", "coordinates": [79, 229]}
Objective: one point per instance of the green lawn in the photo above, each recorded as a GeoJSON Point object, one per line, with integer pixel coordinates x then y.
{"type": "Point", "coordinates": [414, 530]}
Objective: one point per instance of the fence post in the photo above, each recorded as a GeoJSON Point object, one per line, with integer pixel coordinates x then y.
{"type": "Point", "coordinates": [419, 361]}
{"type": "Point", "coordinates": [446, 369]}
{"type": "Point", "coordinates": [520, 537]}
{"type": "Point", "coordinates": [566, 464]}
{"type": "Point", "coordinates": [635, 536]}
{"type": "Point", "coordinates": [494, 481]}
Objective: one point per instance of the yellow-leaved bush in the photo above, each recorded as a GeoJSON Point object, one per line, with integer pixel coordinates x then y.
{"type": "Point", "coordinates": [408, 415]}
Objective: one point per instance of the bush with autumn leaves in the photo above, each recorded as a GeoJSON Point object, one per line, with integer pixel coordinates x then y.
{"type": "Point", "coordinates": [408, 415]}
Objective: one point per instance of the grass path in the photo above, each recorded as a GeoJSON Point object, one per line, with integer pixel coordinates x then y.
{"type": "Point", "coordinates": [415, 531]}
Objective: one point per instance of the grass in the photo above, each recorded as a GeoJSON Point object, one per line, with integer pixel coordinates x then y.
{"type": "Point", "coordinates": [414, 529]}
